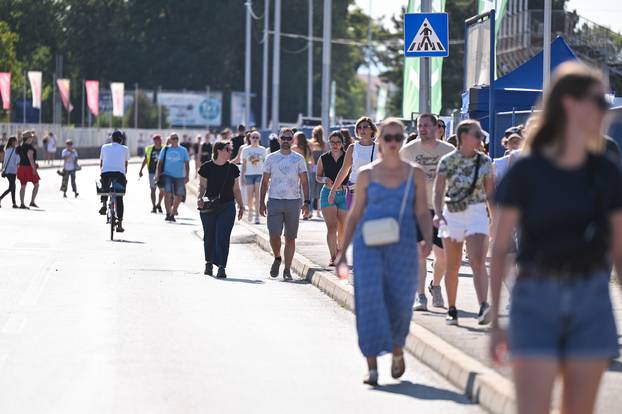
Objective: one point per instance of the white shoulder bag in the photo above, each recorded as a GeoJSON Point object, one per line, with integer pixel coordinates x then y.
{"type": "Point", "coordinates": [380, 232]}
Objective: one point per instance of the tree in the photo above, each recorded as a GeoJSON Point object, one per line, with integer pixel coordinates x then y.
{"type": "Point", "coordinates": [9, 61]}
{"type": "Point", "coordinates": [147, 113]}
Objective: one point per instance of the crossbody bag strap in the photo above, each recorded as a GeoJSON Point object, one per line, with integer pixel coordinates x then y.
{"type": "Point", "coordinates": [473, 184]}
{"type": "Point", "coordinates": [373, 147]}
{"type": "Point", "coordinates": [5, 164]}
{"type": "Point", "coordinates": [405, 198]}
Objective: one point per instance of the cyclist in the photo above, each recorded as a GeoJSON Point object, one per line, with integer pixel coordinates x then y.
{"type": "Point", "coordinates": [114, 158]}
{"type": "Point", "coordinates": [151, 160]}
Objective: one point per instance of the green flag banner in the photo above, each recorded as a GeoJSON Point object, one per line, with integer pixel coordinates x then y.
{"type": "Point", "coordinates": [410, 98]}
{"type": "Point", "coordinates": [501, 7]}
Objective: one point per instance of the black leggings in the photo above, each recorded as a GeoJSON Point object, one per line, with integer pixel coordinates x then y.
{"type": "Point", "coordinates": [11, 178]}
{"type": "Point", "coordinates": [106, 180]}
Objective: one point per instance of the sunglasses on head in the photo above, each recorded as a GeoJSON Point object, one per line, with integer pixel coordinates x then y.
{"type": "Point", "coordinates": [287, 138]}
{"type": "Point", "coordinates": [393, 138]}
{"type": "Point", "coordinates": [600, 101]}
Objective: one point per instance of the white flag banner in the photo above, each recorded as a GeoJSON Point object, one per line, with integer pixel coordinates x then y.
{"type": "Point", "coordinates": [118, 90]}
{"type": "Point", "coordinates": [35, 87]}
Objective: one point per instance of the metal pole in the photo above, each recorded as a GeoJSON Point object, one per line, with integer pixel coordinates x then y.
{"type": "Point", "coordinates": [247, 66]}
{"type": "Point", "coordinates": [207, 91]}
{"type": "Point", "coordinates": [310, 62]}
{"type": "Point", "coordinates": [159, 108]}
{"type": "Point", "coordinates": [135, 105]}
{"type": "Point", "coordinates": [264, 74]}
{"type": "Point", "coordinates": [83, 91]}
{"type": "Point", "coordinates": [54, 98]}
{"type": "Point", "coordinates": [369, 88]}
{"type": "Point", "coordinates": [276, 65]}
{"type": "Point", "coordinates": [492, 137]}
{"type": "Point", "coordinates": [546, 44]}
{"type": "Point", "coordinates": [424, 70]}
{"type": "Point", "coordinates": [326, 55]}
{"type": "Point", "coordinates": [24, 105]}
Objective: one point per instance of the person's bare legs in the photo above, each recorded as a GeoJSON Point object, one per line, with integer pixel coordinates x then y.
{"type": "Point", "coordinates": [581, 379]}
{"type": "Point", "coordinates": [35, 190]}
{"type": "Point", "coordinates": [275, 244]}
{"type": "Point", "coordinates": [288, 252]}
{"type": "Point", "coordinates": [176, 202]}
{"type": "Point", "coordinates": [153, 197]}
{"type": "Point", "coordinates": [250, 189]}
{"type": "Point", "coordinates": [161, 196]}
{"type": "Point", "coordinates": [341, 222]}
{"type": "Point", "coordinates": [533, 380]}
{"type": "Point", "coordinates": [257, 200]}
{"type": "Point", "coordinates": [330, 217]}
{"type": "Point", "coordinates": [476, 250]}
{"type": "Point", "coordinates": [453, 260]}
{"type": "Point", "coordinates": [168, 203]}
{"type": "Point", "coordinates": [439, 265]}
{"type": "Point", "coordinates": [22, 193]}
{"type": "Point", "coordinates": [423, 272]}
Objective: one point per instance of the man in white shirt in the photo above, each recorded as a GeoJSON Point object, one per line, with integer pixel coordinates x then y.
{"type": "Point", "coordinates": [285, 171]}
{"type": "Point", "coordinates": [114, 158]}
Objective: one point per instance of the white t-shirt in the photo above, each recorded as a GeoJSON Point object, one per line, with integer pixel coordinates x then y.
{"type": "Point", "coordinates": [253, 159]}
{"type": "Point", "coordinates": [69, 164]}
{"type": "Point", "coordinates": [284, 173]}
{"type": "Point", "coordinates": [51, 144]}
{"type": "Point", "coordinates": [114, 156]}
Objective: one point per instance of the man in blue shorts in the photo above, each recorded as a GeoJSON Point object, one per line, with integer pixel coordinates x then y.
{"type": "Point", "coordinates": [173, 171]}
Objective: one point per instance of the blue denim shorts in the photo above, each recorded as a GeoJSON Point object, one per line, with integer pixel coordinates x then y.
{"type": "Point", "coordinates": [340, 199]}
{"type": "Point", "coordinates": [252, 179]}
{"type": "Point", "coordinates": [175, 185]}
{"type": "Point", "coordinates": [562, 319]}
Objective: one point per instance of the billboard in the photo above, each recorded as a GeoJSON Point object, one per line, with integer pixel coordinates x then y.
{"type": "Point", "coordinates": [192, 109]}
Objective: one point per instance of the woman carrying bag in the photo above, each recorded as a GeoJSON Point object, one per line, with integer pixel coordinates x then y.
{"type": "Point", "coordinates": [390, 200]}
{"type": "Point", "coordinates": [219, 186]}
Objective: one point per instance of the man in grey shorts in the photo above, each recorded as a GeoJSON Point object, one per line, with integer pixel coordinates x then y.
{"type": "Point", "coordinates": [284, 173]}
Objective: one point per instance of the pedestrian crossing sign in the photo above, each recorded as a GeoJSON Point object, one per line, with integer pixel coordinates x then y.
{"type": "Point", "coordinates": [426, 35]}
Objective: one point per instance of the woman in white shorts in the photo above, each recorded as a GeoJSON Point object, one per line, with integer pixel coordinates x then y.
{"type": "Point", "coordinates": [464, 183]}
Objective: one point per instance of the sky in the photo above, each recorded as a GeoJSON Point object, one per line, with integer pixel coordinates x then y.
{"type": "Point", "coordinates": [604, 12]}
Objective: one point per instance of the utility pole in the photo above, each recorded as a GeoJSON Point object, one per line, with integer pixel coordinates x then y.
{"type": "Point", "coordinates": [24, 105]}
{"type": "Point", "coordinates": [369, 88]}
{"type": "Point", "coordinates": [546, 43]}
{"type": "Point", "coordinates": [326, 55]}
{"type": "Point", "coordinates": [135, 105]}
{"type": "Point", "coordinates": [208, 92]}
{"type": "Point", "coordinates": [425, 80]}
{"type": "Point", "coordinates": [83, 91]}
{"type": "Point", "coordinates": [310, 62]}
{"type": "Point", "coordinates": [264, 74]}
{"type": "Point", "coordinates": [276, 65]}
{"type": "Point", "coordinates": [247, 65]}
{"type": "Point", "coordinates": [159, 107]}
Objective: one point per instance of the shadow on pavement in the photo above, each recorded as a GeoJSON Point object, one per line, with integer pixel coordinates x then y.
{"type": "Point", "coordinates": [127, 241]}
{"type": "Point", "coordinates": [238, 280]}
{"type": "Point", "coordinates": [423, 392]}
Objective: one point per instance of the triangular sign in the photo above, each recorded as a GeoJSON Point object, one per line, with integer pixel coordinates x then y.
{"type": "Point", "coordinates": [426, 40]}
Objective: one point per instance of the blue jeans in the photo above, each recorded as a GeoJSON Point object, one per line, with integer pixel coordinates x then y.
{"type": "Point", "coordinates": [217, 234]}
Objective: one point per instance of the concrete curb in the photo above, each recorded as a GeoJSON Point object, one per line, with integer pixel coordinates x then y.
{"type": "Point", "coordinates": [480, 383]}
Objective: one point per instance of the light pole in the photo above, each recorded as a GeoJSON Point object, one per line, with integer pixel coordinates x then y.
{"type": "Point", "coordinates": [264, 74]}
{"type": "Point", "coordinates": [424, 70]}
{"type": "Point", "coordinates": [247, 65]}
{"type": "Point", "coordinates": [326, 52]}
{"type": "Point", "coordinates": [546, 44]}
{"type": "Point", "coordinates": [369, 88]}
{"type": "Point", "coordinates": [276, 65]}
{"type": "Point", "coordinates": [310, 62]}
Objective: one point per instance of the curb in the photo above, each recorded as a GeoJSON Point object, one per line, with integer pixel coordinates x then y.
{"type": "Point", "coordinates": [481, 384]}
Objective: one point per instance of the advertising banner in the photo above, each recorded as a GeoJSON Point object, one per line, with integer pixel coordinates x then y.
{"type": "Point", "coordinates": [92, 96]}
{"type": "Point", "coordinates": [35, 87]}
{"type": "Point", "coordinates": [5, 89]}
{"type": "Point", "coordinates": [192, 109]}
{"type": "Point", "coordinates": [117, 89]}
{"type": "Point", "coordinates": [63, 89]}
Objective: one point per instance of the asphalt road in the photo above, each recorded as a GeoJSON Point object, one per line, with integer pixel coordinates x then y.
{"type": "Point", "coordinates": [132, 326]}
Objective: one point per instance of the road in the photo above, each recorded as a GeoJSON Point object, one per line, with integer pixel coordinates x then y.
{"type": "Point", "coordinates": [132, 326]}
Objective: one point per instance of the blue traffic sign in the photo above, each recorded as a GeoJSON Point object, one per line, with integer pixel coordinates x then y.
{"type": "Point", "coordinates": [426, 35]}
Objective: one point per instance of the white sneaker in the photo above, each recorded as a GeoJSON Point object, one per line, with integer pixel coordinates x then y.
{"type": "Point", "coordinates": [421, 303]}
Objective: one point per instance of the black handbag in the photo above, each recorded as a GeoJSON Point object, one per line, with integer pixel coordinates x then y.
{"type": "Point", "coordinates": [214, 204]}
{"type": "Point", "coordinates": [456, 206]}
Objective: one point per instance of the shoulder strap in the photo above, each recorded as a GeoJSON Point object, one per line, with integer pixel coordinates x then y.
{"type": "Point", "coordinates": [164, 158]}
{"type": "Point", "coordinates": [5, 164]}
{"type": "Point", "coordinates": [373, 147]}
{"type": "Point", "coordinates": [405, 198]}
{"type": "Point", "coordinates": [474, 183]}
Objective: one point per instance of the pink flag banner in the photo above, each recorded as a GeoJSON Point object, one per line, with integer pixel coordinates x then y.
{"type": "Point", "coordinates": [63, 89]}
{"type": "Point", "coordinates": [5, 90]}
{"type": "Point", "coordinates": [35, 87]}
{"type": "Point", "coordinates": [92, 96]}
{"type": "Point", "coordinates": [118, 94]}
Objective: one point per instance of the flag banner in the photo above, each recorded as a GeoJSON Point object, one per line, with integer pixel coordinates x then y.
{"type": "Point", "coordinates": [5, 90]}
{"type": "Point", "coordinates": [35, 87]}
{"type": "Point", "coordinates": [118, 92]}
{"type": "Point", "coordinates": [410, 98]}
{"type": "Point", "coordinates": [500, 7]}
{"type": "Point", "coordinates": [63, 89]}
{"type": "Point", "coordinates": [92, 96]}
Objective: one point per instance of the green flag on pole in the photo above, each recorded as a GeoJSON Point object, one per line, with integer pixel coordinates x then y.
{"type": "Point", "coordinates": [410, 99]}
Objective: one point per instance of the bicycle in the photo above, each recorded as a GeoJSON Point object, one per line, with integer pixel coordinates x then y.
{"type": "Point", "coordinates": [115, 190]}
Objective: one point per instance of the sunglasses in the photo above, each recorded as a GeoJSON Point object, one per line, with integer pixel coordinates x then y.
{"type": "Point", "coordinates": [254, 137]}
{"type": "Point", "coordinates": [364, 126]}
{"type": "Point", "coordinates": [600, 101]}
{"type": "Point", "coordinates": [393, 138]}
{"type": "Point", "coordinates": [287, 138]}
{"type": "Point", "coordinates": [335, 142]}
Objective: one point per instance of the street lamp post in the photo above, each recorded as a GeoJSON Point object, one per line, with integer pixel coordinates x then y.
{"type": "Point", "coordinates": [310, 62]}
{"type": "Point", "coordinates": [264, 74]}
{"type": "Point", "coordinates": [247, 65]}
{"type": "Point", "coordinates": [276, 65]}
{"type": "Point", "coordinates": [546, 43]}
{"type": "Point", "coordinates": [326, 55]}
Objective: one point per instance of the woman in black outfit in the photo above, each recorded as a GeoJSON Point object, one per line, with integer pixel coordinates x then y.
{"type": "Point", "coordinates": [219, 186]}
{"type": "Point", "coordinates": [334, 213]}
{"type": "Point", "coordinates": [565, 198]}
{"type": "Point", "coordinates": [9, 168]}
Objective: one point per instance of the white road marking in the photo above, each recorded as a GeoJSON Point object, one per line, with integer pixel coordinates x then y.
{"type": "Point", "coordinates": [14, 325]}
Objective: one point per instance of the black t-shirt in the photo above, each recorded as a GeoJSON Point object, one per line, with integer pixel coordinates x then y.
{"type": "Point", "coordinates": [216, 176]}
{"type": "Point", "coordinates": [22, 151]}
{"type": "Point", "coordinates": [612, 150]}
{"type": "Point", "coordinates": [564, 224]}
{"type": "Point", "coordinates": [236, 143]}
{"type": "Point", "coordinates": [187, 146]}
{"type": "Point", "coordinates": [205, 152]}
{"type": "Point", "coordinates": [332, 167]}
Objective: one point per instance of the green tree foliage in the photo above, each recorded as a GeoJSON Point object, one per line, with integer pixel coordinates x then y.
{"type": "Point", "coordinates": [147, 114]}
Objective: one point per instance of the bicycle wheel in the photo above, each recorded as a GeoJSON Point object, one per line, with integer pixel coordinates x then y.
{"type": "Point", "coordinates": [113, 219]}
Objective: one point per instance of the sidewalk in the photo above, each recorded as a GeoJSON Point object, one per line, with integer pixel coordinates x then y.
{"type": "Point", "coordinates": [86, 162]}
{"type": "Point", "coordinates": [468, 339]}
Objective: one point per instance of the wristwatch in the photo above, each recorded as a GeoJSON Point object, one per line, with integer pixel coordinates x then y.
{"type": "Point", "coordinates": [307, 201]}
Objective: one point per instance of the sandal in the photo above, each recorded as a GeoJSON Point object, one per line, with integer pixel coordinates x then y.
{"type": "Point", "coordinates": [398, 367]}
{"type": "Point", "coordinates": [371, 378]}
